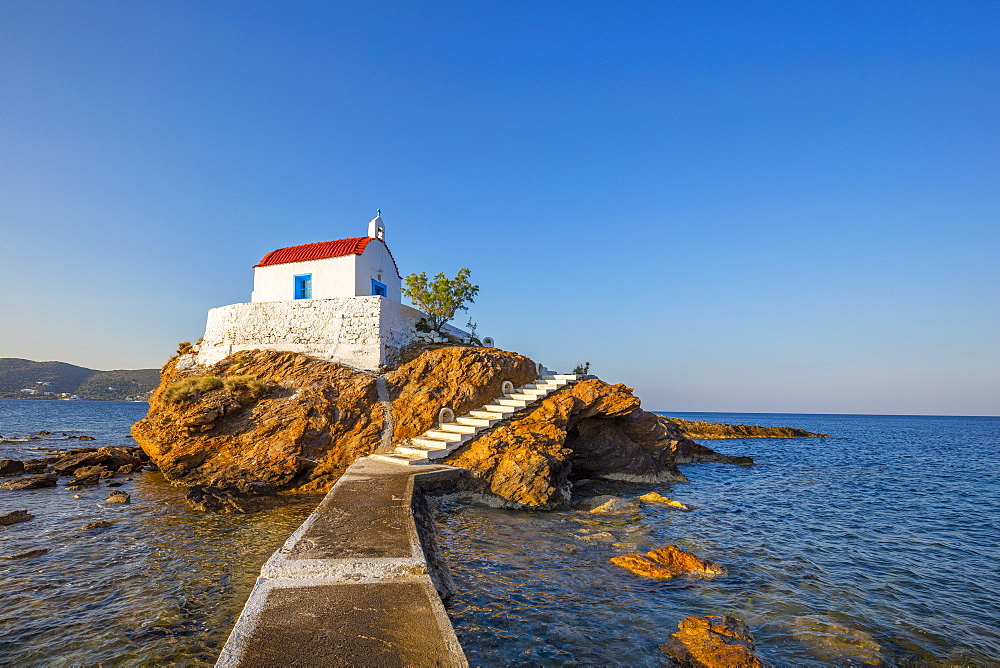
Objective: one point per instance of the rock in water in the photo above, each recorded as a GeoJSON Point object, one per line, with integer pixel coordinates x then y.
{"type": "Point", "coordinates": [81, 481]}
{"type": "Point", "coordinates": [118, 496]}
{"type": "Point", "coordinates": [667, 563]}
{"type": "Point", "coordinates": [10, 467]}
{"type": "Point", "coordinates": [713, 642]}
{"type": "Point", "coordinates": [712, 430]}
{"type": "Point", "coordinates": [101, 460]}
{"type": "Point", "coordinates": [656, 497]}
{"type": "Point", "coordinates": [15, 516]}
{"type": "Point", "coordinates": [32, 482]}
{"type": "Point", "coordinates": [99, 524]}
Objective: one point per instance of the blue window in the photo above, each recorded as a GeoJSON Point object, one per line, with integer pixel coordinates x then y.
{"type": "Point", "coordinates": [379, 289]}
{"type": "Point", "coordinates": [304, 286]}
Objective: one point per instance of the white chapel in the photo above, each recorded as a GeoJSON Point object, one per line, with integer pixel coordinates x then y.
{"type": "Point", "coordinates": [337, 300]}
{"type": "Point", "coordinates": [355, 267]}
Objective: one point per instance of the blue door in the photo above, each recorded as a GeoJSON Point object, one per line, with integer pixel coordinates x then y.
{"type": "Point", "coordinates": [379, 289]}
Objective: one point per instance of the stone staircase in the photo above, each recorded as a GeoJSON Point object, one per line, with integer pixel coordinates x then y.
{"type": "Point", "coordinates": [439, 442]}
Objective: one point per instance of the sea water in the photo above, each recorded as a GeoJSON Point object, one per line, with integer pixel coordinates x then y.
{"type": "Point", "coordinates": [162, 586]}
{"type": "Point", "coordinates": [877, 545]}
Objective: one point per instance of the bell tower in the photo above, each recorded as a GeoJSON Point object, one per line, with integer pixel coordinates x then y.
{"type": "Point", "coordinates": [376, 228]}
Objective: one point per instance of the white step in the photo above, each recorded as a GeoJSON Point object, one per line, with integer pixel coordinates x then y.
{"type": "Point", "coordinates": [485, 419]}
{"type": "Point", "coordinates": [547, 387]}
{"type": "Point", "coordinates": [428, 443]}
{"type": "Point", "coordinates": [532, 391]}
{"type": "Point", "coordinates": [522, 397]}
{"type": "Point", "coordinates": [427, 453]}
{"type": "Point", "coordinates": [405, 460]}
{"type": "Point", "coordinates": [565, 376]}
{"type": "Point", "coordinates": [457, 428]}
{"type": "Point", "coordinates": [445, 436]}
{"type": "Point", "coordinates": [501, 408]}
{"type": "Point", "coordinates": [516, 403]}
{"type": "Point", "coordinates": [440, 454]}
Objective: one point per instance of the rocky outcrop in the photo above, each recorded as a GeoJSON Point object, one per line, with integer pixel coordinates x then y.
{"type": "Point", "coordinates": [714, 430]}
{"type": "Point", "coordinates": [265, 422]}
{"type": "Point", "coordinates": [668, 563]}
{"type": "Point", "coordinates": [314, 418]}
{"type": "Point", "coordinates": [588, 429]}
{"type": "Point", "coordinates": [713, 642]}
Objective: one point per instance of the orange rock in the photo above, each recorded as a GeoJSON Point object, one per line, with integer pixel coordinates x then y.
{"type": "Point", "coordinates": [313, 418]}
{"type": "Point", "coordinates": [713, 642]}
{"type": "Point", "coordinates": [656, 497]}
{"type": "Point", "coordinates": [667, 563]}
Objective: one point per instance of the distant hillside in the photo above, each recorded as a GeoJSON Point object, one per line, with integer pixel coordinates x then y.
{"type": "Point", "coordinates": [24, 379]}
{"type": "Point", "coordinates": [119, 383]}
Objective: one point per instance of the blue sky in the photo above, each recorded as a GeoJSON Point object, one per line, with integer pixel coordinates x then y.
{"type": "Point", "coordinates": [767, 206]}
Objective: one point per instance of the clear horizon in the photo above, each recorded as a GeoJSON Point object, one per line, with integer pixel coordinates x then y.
{"type": "Point", "coordinates": [783, 208]}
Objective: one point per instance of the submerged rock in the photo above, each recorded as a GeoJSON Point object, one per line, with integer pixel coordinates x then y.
{"type": "Point", "coordinates": [835, 643]}
{"type": "Point", "coordinates": [37, 552]}
{"type": "Point", "coordinates": [32, 482]}
{"type": "Point", "coordinates": [615, 506]}
{"type": "Point", "coordinates": [14, 517]}
{"type": "Point", "coordinates": [99, 524]}
{"type": "Point", "coordinates": [713, 642]}
{"type": "Point", "coordinates": [668, 563]}
{"type": "Point", "coordinates": [232, 497]}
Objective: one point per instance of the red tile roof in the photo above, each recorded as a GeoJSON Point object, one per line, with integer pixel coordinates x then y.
{"type": "Point", "coordinates": [320, 251]}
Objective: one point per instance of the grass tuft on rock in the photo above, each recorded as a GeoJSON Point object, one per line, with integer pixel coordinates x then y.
{"type": "Point", "coordinates": [243, 385]}
{"type": "Point", "coordinates": [188, 388]}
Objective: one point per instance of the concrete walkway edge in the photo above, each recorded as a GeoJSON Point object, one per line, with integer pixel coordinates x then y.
{"type": "Point", "coordinates": [352, 585]}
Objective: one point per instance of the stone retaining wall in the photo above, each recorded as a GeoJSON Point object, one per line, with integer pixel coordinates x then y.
{"type": "Point", "coordinates": [363, 332]}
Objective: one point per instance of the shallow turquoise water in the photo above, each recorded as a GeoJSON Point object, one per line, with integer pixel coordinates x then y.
{"type": "Point", "coordinates": [879, 544]}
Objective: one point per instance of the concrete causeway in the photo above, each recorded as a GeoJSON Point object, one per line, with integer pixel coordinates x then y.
{"type": "Point", "coordinates": [354, 585]}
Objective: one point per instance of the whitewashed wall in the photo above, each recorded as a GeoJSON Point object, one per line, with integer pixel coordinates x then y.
{"type": "Point", "coordinates": [365, 332]}
{"type": "Point", "coordinates": [376, 263]}
{"type": "Point", "coordinates": [332, 277]}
